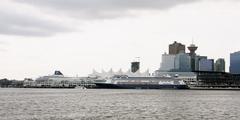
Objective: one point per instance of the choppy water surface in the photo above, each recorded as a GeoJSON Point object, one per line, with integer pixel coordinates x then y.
{"type": "Point", "coordinates": [90, 104]}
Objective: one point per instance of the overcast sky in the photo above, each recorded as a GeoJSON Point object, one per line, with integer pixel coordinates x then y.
{"type": "Point", "coordinates": [76, 36]}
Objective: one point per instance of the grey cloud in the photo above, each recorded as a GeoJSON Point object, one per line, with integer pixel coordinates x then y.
{"type": "Point", "coordinates": [15, 22]}
{"type": "Point", "coordinates": [98, 9]}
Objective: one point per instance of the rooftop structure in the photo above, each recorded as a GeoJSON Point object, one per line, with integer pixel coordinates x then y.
{"type": "Point", "coordinates": [176, 48]}
{"type": "Point", "coordinates": [192, 48]}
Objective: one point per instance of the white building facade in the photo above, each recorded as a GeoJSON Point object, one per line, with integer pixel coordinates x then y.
{"type": "Point", "coordinates": [168, 62]}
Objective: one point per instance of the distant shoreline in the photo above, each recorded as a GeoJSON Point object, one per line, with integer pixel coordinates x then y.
{"type": "Point", "coordinates": [192, 88]}
{"type": "Point", "coordinates": [205, 88]}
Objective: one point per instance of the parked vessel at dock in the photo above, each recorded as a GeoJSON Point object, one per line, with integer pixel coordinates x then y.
{"type": "Point", "coordinates": [58, 80]}
{"type": "Point", "coordinates": [125, 82]}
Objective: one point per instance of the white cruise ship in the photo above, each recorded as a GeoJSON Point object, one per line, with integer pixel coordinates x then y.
{"type": "Point", "coordinates": [57, 80]}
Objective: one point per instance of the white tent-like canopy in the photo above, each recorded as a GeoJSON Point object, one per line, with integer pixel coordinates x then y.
{"type": "Point", "coordinates": [111, 73]}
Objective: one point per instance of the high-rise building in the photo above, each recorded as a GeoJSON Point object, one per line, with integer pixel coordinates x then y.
{"type": "Point", "coordinates": [219, 65]}
{"type": "Point", "coordinates": [235, 63]}
{"type": "Point", "coordinates": [176, 48]}
{"type": "Point", "coordinates": [168, 62]}
{"type": "Point", "coordinates": [135, 66]}
{"type": "Point", "coordinates": [206, 64]}
{"type": "Point", "coordinates": [182, 63]}
{"type": "Point", "coordinates": [197, 59]}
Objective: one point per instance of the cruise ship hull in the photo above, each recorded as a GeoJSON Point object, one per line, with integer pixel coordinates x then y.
{"type": "Point", "coordinates": [139, 86]}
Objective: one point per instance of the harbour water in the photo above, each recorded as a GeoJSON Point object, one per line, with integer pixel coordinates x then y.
{"type": "Point", "coordinates": [107, 104]}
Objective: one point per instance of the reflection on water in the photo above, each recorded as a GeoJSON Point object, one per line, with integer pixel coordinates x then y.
{"type": "Point", "coordinates": [90, 104]}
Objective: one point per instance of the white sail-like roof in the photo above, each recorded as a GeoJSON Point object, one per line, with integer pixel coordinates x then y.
{"type": "Point", "coordinates": [120, 72]}
{"type": "Point", "coordinates": [146, 73]}
{"type": "Point", "coordinates": [111, 73]}
{"type": "Point", "coordinates": [136, 74]}
{"type": "Point", "coordinates": [95, 72]}
{"type": "Point", "coordinates": [128, 73]}
{"type": "Point", "coordinates": [103, 72]}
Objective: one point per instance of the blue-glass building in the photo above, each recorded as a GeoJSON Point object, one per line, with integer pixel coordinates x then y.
{"type": "Point", "coordinates": [235, 63]}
